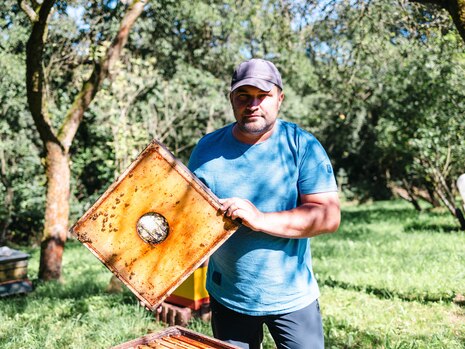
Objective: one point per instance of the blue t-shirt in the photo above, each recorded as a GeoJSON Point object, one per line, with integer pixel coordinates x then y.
{"type": "Point", "coordinates": [252, 272]}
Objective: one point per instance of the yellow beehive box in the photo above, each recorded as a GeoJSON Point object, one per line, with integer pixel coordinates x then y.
{"type": "Point", "coordinates": [192, 292]}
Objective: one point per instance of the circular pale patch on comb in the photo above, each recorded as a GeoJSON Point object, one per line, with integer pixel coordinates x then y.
{"type": "Point", "coordinates": [153, 228]}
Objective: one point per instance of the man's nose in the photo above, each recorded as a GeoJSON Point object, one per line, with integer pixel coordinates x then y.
{"type": "Point", "coordinates": [254, 102]}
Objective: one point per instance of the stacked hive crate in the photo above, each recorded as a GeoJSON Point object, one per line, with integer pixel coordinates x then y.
{"type": "Point", "coordinates": [192, 292]}
{"type": "Point", "coordinates": [13, 272]}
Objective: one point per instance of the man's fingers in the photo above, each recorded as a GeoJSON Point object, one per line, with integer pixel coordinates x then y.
{"type": "Point", "coordinates": [233, 208]}
{"type": "Point", "coordinates": [239, 209]}
{"type": "Point", "coordinates": [235, 213]}
{"type": "Point", "coordinates": [226, 204]}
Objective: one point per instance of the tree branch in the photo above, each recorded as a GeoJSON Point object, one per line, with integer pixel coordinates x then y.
{"type": "Point", "coordinates": [28, 10]}
{"type": "Point", "coordinates": [35, 76]}
{"type": "Point", "coordinates": [100, 73]}
{"type": "Point", "coordinates": [434, 2]}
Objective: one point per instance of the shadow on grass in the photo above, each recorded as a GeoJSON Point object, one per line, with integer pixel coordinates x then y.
{"type": "Point", "coordinates": [428, 220]}
{"type": "Point", "coordinates": [385, 293]}
{"type": "Point", "coordinates": [79, 290]}
{"type": "Point", "coordinates": [431, 227]}
{"type": "Point", "coordinates": [377, 214]}
{"type": "Point", "coordinates": [20, 302]}
{"type": "Point", "coordinates": [65, 301]}
{"type": "Point", "coordinates": [345, 335]}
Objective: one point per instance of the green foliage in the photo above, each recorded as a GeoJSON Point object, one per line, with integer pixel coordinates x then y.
{"type": "Point", "coordinates": [423, 128]}
{"type": "Point", "coordinates": [382, 74]}
{"type": "Point", "coordinates": [378, 83]}
{"type": "Point", "coordinates": [21, 175]}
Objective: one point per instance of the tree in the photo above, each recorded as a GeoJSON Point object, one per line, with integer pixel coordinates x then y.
{"type": "Point", "coordinates": [456, 9]}
{"type": "Point", "coordinates": [57, 140]}
{"type": "Point", "coordinates": [382, 72]}
{"type": "Point", "coordinates": [355, 73]}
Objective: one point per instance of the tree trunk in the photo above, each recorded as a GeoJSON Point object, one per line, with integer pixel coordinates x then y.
{"type": "Point", "coordinates": [411, 195]}
{"type": "Point", "coordinates": [460, 217]}
{"type": "Point", "coordinates": [456, 211]}
{"type": "Point", "coordinates": [433, 198]}
{"type": "Point", "coordinates": [56, 212]}
{"type": "Point", "coordinates": [57, 143]}
{"type": "Point", "coordinates": [8, 202]}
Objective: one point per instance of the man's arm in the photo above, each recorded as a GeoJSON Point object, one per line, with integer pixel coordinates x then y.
{"type": "Point", "coordinates": [317, 214]}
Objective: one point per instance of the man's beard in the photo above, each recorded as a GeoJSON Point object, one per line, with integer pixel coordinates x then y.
{"type": "Point", "coordinates": [258, 126]}
{"type": "Point", "coordinates": [254, 127]}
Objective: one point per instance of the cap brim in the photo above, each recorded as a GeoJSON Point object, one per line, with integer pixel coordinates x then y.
{"type": "Point", "coordinates": [258, 83]}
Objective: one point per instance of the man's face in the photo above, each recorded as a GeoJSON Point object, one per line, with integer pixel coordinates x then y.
{"type": "Point", "coordinates": [256, 110]}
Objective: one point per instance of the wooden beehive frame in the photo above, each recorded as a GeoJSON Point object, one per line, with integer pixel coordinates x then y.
{"type": "Point", "coordinates": [155, 182]}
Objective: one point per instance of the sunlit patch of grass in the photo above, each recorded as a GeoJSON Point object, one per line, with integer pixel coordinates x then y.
{"type": "Point", "coordinates": [373, 252]}
{"type": "Point", "coordinates": [74, 313]}
{"type": "Point", "coordinates": [359, 320]}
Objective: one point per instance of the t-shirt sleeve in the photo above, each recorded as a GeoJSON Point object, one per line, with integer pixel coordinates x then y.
{"type": "Point", "coordinates": [316, 173]}
{"type": "Point", "coordinates": [195, 164]}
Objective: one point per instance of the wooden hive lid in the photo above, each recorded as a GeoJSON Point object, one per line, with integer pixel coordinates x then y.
{"type": "Point", "coordinates": [10, 255]}
{"type": "Point", "coordinates": [155, 183]}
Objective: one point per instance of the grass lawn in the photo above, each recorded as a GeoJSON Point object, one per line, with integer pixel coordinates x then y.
{"type": "Point", "coordinates": [390, 278]}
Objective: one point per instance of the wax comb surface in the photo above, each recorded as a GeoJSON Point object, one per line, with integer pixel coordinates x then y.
{"type": "Point", "coordinates": [154, 225]}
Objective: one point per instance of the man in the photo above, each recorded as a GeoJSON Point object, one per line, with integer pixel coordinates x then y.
{"type": "Point", "coordinates": [277, 179]}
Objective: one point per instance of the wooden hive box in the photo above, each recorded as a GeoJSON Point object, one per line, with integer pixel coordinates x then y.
{"type": "Point", "coordinates": [175, 337]}
{"type": "Point", "coordinates": [192, 292]}
{"type": "Point", "coordinates": [154, 225]}
{"type": "Point", "coordinates": [13, 272]}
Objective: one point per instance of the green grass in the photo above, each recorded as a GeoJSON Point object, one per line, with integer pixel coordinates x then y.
{"type": "Point", "coordinates": [359, 320]}
{"type": "Point", "coordinates": [384, 255]}
{"type": "Point", "coordinates": [388, 279]}
{"type": "Point", "coordinates": [389, 276]}
{"type": "Point", "coordinates": [77, 313]}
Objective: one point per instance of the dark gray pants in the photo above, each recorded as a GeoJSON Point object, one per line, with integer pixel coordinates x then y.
{"type": "Point", "coordinates": [301, 329]}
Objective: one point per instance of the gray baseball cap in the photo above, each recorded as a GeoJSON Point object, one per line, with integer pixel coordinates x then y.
{"type": "Point", "coordinates": [256, 72]}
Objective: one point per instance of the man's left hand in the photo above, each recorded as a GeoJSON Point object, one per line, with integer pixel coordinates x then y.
{"type": "Point", "coordinates": [243, 209]}
{"type": "Point", "coordinates": [317, 214]}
